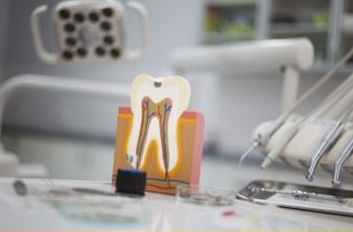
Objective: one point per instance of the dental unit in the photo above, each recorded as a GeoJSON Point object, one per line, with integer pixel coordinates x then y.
{"type": "Point", "coordinates": [273, 127]}
{"type": "Point", "coordinates": [331, 120]}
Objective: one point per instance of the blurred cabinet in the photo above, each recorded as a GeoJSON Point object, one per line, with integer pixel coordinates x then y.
{"type": "Point", "coordinates": [327, 23]}
{"type": "Point", "coordinates": [231, 21]}
{"type": "Point", "coordinates": [347, 28]}
{"type": "Point", "coordinates": [302, 18]}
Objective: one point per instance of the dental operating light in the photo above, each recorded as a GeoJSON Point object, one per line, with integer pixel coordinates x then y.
{"type": "Point", "coordinates": [89, 31]}
{"type": "Point", "coordinates": [322, 138]}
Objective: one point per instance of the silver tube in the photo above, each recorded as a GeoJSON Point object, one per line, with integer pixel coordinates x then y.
{"type": "Point", "coordinates": [346, 153]}
{"type": "Point", "coordinates": [326, 143]}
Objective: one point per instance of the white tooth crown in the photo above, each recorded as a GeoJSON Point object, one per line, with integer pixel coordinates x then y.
{"type": "Point", "coordinates": [157, 104]}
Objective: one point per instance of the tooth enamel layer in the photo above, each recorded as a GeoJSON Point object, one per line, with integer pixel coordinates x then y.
{"type": "Point", "coordinates": [157, 105]}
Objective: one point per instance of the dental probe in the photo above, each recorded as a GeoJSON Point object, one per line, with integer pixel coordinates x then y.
{"type": "Point", "coordinates": [262, 139]}
{"type": "Point", "coordinates": [346, 153]}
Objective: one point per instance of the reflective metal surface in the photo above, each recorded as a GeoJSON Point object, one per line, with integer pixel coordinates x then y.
{"type": "Point", "coordinates": [289, 195]}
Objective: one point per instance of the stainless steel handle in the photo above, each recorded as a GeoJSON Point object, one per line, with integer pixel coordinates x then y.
{"type": "Point", "coordinates": [327, 142]}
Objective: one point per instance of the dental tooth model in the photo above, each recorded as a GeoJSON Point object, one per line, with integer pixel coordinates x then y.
{"type": "Point", "coordinates": [158, 135]}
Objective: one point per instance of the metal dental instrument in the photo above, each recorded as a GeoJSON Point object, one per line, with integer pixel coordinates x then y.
{"type": "Point", "coordinates": [302, 195]}
{"type": "Point", "coordinates": [265, 137]}
{"type": "Point", "coordinates": [340, 92]}
{"type": "Point", "coordinates": [330, 138]}
{"type": "Point", "coordinates": [328, 141]}
{"type": "Point", "coordinates": [346, 153]}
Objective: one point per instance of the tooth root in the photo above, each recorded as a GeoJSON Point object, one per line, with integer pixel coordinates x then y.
{"type": "Point", "coordinates": [156, 110]}
{"type": "Point", "coordinates": [145, 121]}
{"type": "Point", "coordinates": [162, 112]}
{"type": "Point", "coordinates": [163, 116]}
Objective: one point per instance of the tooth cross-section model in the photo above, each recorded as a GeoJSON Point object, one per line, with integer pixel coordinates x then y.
{"type": "Point", "coordinates": [158, 135]}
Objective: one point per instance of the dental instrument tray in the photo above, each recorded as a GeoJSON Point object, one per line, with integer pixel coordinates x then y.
{"type": "Point", "coordinates": [296, 196]}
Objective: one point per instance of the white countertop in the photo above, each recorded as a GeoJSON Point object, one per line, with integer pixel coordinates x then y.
{"type": "Point", "coordinates": [160, 213]}
{"type": "Point", "coordinates": [92, 161]}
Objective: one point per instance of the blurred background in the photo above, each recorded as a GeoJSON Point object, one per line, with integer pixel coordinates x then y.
{"type": "Point", "coordinates": [74, 136]}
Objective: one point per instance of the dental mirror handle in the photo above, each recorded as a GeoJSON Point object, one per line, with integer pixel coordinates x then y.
{"type": "Point", "coordinates": [346, 153]}
{"type": "Point", "coordinates": [143, 18]}
{"type": "Point", "coordinates": [330, 138]}
{"type": "Point", "coordinates": [44, 55]}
